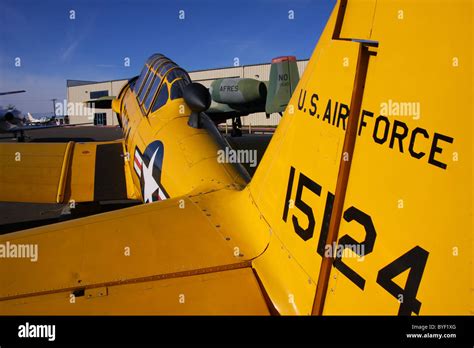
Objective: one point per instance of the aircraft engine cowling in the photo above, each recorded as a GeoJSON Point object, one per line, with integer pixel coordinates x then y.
{"type": "Point", "coordinates": [238, 90]}
{"type": "Point", "coordinates": [9, 116]}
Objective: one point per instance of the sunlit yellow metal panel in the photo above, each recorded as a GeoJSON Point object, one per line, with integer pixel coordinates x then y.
{"type": "Point", "coordinates": [55, 173]}
{"type": "Point", "coordinates": [161, 238]}
{"type": "Point", "coordinates": [232, 292]}
{"type": "Point", "coordinates": [357, 20]}
{"type": "Point", "coordinates": [298, 174]}
{"type": "Point", "coordinates": [80, 186]}
{"type": "Point", "coordinates": [237, 220]}
{"type": "Point", "coordinates": [191, 159]}
{"type": "Point", "coordinates": [290, 288]}
{"type": "Point", "coordinates": [81, 178]}
{"type": "Point", "coordinates": [31, 172]}
{"type": "Point", "coordinates": [410, 187]}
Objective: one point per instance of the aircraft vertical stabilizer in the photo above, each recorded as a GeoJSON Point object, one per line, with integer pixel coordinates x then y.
{"type": "Point", "coordinates": [284, 78]}
{"type": "Point", "coordinates": [367, 182]}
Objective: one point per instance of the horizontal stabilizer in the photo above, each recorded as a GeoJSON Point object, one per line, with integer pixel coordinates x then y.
{"type": "Point", "coordinates": [58, 173]}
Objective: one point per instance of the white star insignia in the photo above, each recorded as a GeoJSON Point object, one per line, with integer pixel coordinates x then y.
{"type": "Point", "coordinates": [149, 181]}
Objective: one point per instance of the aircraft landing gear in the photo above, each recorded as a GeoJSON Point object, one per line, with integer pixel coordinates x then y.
{"type": "Point", "coordinates": [21, 138]}
{"type": "Point", "coordinates": [236, 125]}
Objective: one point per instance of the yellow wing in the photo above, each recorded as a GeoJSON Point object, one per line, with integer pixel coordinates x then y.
{"type": "Point", "coordinates": [169, 257]}
{"type": "Point", "coordinates": [58, 173]}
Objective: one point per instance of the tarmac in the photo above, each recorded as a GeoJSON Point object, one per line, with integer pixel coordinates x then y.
{"type": "Point", "coordinates": [20, 216]}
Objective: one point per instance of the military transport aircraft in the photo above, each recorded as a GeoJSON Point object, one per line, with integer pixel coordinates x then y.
{"type": "Point", "coordinates": [358, 206]}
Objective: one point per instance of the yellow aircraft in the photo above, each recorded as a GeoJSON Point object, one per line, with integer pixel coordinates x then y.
{"type": "Point", "coordinates": [362, 203]}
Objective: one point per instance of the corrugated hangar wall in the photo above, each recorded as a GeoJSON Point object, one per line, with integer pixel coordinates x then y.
{"type": "Point", "coordinates": [79, 91]}
{"type": "Point", "coordinates": [77, 95]}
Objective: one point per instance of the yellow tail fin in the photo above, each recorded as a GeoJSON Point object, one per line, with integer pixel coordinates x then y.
{"type": "Point", "coordinates": [367, 181]}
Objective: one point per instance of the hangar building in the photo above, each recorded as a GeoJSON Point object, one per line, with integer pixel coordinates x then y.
{"type": "Point", "coordinates": [80, 91]}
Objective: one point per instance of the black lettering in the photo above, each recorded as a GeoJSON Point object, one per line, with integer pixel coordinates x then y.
{"type": "Point", "coordinates": [343, 113]}
{"type": "Point", "coordinates": [335, 112]}
{"type": "Point", "coordinates": [365, 247]}
{"type": "Point", "coordinates": [323, 236]}
{"type": "Point", "coordinates": [376, 128]}
{"type": "Point", "coordinates": [301, 102]}
{"type": "Point", "coordinates": [435, 149]}
{"type": "Point", "coordinates": [362, 122]}
{"type": "Point", "coordinates": [289, 188]}
{"type": "Point", "coordinates": [399, 136]}
{"type": "Point", "coordinates": [415, 132]}
{"type": "Point", "coordinates": [312, 111]}
{"type": "Point", "coordinates": [327, 113]}
{"type": "Point", "coordinates": [415, 261]}
{"type": "Point", "coordinates": [304, 181]}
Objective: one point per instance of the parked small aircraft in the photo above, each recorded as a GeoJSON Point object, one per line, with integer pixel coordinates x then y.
{"type": "Point", "coordinates": [12, 121]}
{"type": "Point", "coordinates": [39, 121]}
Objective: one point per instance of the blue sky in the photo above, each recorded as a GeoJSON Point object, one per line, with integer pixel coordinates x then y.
{"type": "Point", "coordinates": [52, 47]}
